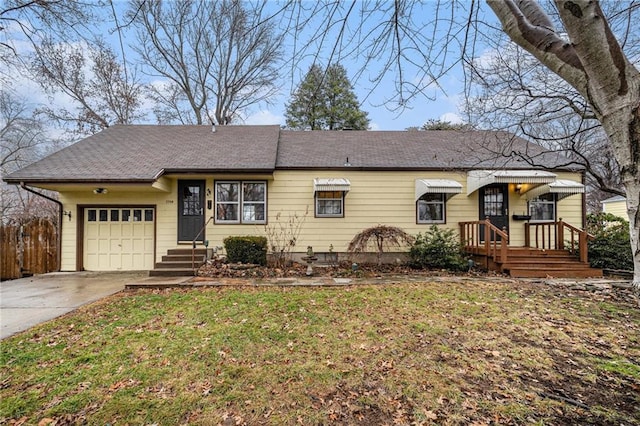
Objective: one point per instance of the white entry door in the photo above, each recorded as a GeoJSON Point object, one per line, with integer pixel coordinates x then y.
{"type": "Point", "coordinates": [118, 239]}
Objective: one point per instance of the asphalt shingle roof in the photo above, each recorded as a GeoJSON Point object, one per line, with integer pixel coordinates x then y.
{"type": "Point", "coordinates": [144, 152]}
{"type": "Point", "coordinates": [433, 149]}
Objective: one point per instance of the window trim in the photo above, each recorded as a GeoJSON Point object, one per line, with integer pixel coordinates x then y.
{"type": "Point", "coordinates": [444, 209]}
{"type": "Point", "coordinates": [553, 202]}
{"type": "Point", "coordinates": [323, 216]}
{"type": "Point", "coordinates": [240, 203]}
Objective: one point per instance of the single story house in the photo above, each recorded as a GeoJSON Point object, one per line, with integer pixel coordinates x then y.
{"type": "Point", "coordinates": [131, 194]}
{"type": "Point", "coordinates": [617, 206]}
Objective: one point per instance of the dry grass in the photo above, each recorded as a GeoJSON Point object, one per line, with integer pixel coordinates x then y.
{"type": "Point", "coordinates": [415, 353]}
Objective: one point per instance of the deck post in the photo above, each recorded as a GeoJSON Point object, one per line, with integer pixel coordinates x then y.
{"type": "Point", "coordinates": [527, 235]}
{"type": "Point", "coordinates": [487, 236]}
{"type": "Point", "coordinates": [560, 235]}
{"type": "Point", "coordinates": [582, 247]}
{"type": "Point", "coordinates": [504, 246]}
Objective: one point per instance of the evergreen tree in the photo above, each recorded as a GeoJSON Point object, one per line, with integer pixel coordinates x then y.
{"type": "Point", "coordinates": [325, 101]}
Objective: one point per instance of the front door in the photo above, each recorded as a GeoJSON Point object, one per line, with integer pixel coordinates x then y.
{"type": "Point", "coordinates": [190, 209]}
{"type": "Point", "coordinates": [494, 204]}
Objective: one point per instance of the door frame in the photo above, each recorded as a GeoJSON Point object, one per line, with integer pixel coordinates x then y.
{"type": "Point", "coordinates": [505, 204]}
{"type": "Point", "coordinates": [202, 183]}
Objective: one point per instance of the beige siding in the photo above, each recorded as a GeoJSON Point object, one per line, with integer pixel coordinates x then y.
{"type": "Point", "coordinates": [618, 208]}
{"type": "Point", "coordinates": [166, 216]}
{"type": "Point", "coordinates": [383, 197]}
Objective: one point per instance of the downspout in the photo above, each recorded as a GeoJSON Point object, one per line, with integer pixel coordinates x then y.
{"type": "Point", "coordinates": [60, 207]}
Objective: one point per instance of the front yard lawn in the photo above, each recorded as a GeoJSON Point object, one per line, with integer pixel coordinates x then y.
{"type": "Point", "coordinates": [415, 353]}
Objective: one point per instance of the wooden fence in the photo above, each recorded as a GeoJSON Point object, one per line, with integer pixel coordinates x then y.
{"type": "Point", "coordinates": [28, 249]}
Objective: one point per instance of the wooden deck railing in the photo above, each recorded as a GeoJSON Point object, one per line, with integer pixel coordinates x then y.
{"type": "Point", "coordinates": [557, 236]}
{"type": "Point", "coordinates": [482, 237]}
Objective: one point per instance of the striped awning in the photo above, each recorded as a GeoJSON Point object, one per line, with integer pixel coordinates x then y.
{"type": "Point", "coordinates": [331, 184]}
{"type": "Point", "coordinates": [437, 186]}
{"type": "Point", "coordinates": [476, 179]}
{"type": "Point", "coordinates": [563, 188]}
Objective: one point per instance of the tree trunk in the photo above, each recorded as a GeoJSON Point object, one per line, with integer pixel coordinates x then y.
{"type": "Point", "coordinates": [593, 62]}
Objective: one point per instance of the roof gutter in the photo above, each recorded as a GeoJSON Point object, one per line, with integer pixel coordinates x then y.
{"type": "Point", "coordinates": [59, 242]}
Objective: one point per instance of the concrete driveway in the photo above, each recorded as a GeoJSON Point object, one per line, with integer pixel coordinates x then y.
{"type": "Point", "coordinates": [29, 301]}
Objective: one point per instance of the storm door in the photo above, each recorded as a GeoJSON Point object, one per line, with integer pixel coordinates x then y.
{"type": "Point", "coordinates": [494, 204]}
{"type": "Point", "coordinates": [190, 209]}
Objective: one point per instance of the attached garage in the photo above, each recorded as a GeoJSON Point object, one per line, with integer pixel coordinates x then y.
{"type": "Point", "coordinates": [118, 238]}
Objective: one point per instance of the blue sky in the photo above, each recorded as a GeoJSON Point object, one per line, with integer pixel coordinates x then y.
{"type": "Point", "coordinates": [440, 102]}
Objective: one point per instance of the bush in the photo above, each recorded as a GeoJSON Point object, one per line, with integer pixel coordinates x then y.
{"type": "Point", "coordinates": [611, 248]}
{"type": "Point", "coordinates": [247, 249]}
{"type": "Point", "coordinates": [437, 249]}
{"type": "Point", "coordinates": [379, 237]}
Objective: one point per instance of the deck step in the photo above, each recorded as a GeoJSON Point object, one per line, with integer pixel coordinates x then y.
{"type": "Point", "coordinates": [523, 262]}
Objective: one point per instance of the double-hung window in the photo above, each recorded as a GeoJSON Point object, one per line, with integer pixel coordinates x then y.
{"type": "Point", "coordinates": [543, 208]}
{"type": "Point", "coordinates": [241, 202]}
{"type": "Point", "coordinates": [430, 208]}
{"type": "Point", "coordinates": [330, 204]}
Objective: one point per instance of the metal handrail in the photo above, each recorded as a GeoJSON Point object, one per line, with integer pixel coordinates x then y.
{"type": "Point", "coordinates": [193, 245]}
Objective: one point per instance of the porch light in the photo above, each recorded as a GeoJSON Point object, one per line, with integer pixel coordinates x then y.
{"type": "Point", "coordinates": [518, 187]}
{"type": "Point", "coordinates": [100, 191]}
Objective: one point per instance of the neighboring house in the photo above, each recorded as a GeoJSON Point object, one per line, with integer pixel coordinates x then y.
{"type": "Point", "coordinates": [616, 206]}
{"type": "Point", "coordinates": [132, 193]}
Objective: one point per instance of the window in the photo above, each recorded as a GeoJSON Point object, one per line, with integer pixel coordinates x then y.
{"type": "Point", "coordinates": [543, 208]}
{"type": "Point", "coordinates": [120, 215]}
{"type": "Point", "coordinates": [329, 203]}
{"type": "Point", "coordinates": [430, 208]}
{"type": "Point", "coordinates": [241, 202]}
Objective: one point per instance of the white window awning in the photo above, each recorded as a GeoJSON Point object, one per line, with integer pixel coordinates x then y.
{"type": "Point", "coordinates": [563, 188]}
{"type": "Point", "coordinates": [476, 179]}
{"type": "Point", "coordinates": [331, 184]}
{"type": "Point", "coordinates": [437, 186]}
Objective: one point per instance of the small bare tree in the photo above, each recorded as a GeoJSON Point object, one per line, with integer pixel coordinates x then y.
{"type": "Point", "coordinates": [282, 236]}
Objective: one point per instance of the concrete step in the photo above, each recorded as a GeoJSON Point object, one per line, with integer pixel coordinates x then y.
{"type": "Point", "coordinates": [182, 257]}
{"type": "Point", "coordinates": [179, 264]}
{"type": "Point", "coordinates": [187, 251]}
{"type": "Point", "coordinates": [171, 272]}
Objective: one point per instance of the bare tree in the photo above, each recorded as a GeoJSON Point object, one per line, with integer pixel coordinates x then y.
{"type": "Point", "coordinates": [93, 78]}
{"type": "Point", "coordinates": [22, 141]}
{"type": "Point", "coordinates": [219, 58]}
{"type": "Point", "coordinates": [511, 90]}
{"type": "Point", "coordinates": [64, 18]}
{"type": "Point", "coordinates": [21, 136]}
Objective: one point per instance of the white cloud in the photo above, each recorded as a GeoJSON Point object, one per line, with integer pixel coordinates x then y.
{"type": "Point", "coordinates": [451, 117]}
{"type": "Point", "coordinates": [374, 126]}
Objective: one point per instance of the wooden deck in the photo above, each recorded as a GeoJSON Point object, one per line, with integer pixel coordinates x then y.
{"type": "Point", "coordinates": [553, 249]}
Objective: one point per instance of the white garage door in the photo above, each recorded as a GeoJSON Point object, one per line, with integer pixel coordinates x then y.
{"type": "Point", "coordinates": [118, 239]}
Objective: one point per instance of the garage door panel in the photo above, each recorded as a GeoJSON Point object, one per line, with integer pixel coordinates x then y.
{"type": "Point", "coordinates": [118, 239]}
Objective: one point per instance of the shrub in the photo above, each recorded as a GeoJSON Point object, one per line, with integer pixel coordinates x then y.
{"type": "Point", "coordinates": [380, 236]}
{"type": "Point", "coordinates": [437, 249]}
{"type": "Point", "coordinates": [611, 248]}
{"type": "Point", "coordinates": [246, 249]}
